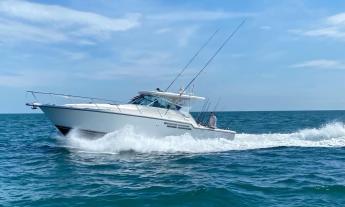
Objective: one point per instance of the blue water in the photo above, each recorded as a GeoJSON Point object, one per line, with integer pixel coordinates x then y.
{"type": "Point", "coordinates": [277, 159]}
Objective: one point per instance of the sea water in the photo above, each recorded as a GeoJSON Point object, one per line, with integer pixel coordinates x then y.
{"type": "Point", "coordinates": [276, 159]}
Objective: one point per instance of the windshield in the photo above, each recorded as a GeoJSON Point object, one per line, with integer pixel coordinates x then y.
{"type": "Point", "coordinates": [154, 101]}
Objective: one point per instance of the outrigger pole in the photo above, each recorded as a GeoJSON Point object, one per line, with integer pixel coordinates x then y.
{"type": "Point", "coordinates": [192, 59]}
{"type": "Point", "coordinates": [214, 55]}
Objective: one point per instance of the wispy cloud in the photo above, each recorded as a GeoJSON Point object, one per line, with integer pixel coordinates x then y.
{"type": "Point", "coordinates": [163, 30]}
{"type": "Point", "coordinates": [56, 23]}
{"type": "Point", "coordinates": [266, 27]}
{"type": "Point", "coordinates": [321, 64]}
{"type": "Point", "coordinates": [330, 27]}
{"type": "Point", "coordinates": [182, 34]}
{"type": "Point", "coordinates": [156, 73]}
{"type": "Point", "coordinates": [16, 31]}
{"type": "Point", "coordinates": [132, 63]}
{"type": "Point", "coordinates": [30, 78]}
{"type": "Point", "coordinates": [146, 58]}
{"type": "Point", "coordinates": [202, 15]}
{"type": "Point", "coordinates": [76, 56]}
{"type": "Point", "coordinates": [237, 55]}
{"type": "Point", "coordinates": [185, 34]}
{"type": "Point", "coordinates": [337, 19]}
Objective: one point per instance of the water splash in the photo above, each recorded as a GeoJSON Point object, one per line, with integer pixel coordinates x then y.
{"type": "Point", "coordinates": [330, 135]}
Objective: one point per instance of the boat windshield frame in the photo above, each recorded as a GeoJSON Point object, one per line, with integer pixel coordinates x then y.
{"type": "Point", "coordinates": [154, 101]}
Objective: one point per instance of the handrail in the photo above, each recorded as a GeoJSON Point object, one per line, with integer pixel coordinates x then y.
{"type": "Point", "coordinates": [72, 96]}
{"type": "Point", "coordinates": [116, 103]}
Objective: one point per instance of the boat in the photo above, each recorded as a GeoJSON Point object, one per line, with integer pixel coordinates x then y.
{"type": "Point", "coordinates": [157, 113]}
{"type": "Point", "coordinates": [151, 113]}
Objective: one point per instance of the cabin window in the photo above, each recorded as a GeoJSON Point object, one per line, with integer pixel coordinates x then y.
{"type": "Point", "coordinates": [154, 101]}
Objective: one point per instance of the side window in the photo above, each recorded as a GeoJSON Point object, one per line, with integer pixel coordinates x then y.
{"type": "Point", "coordinates": [162, 103]}
{"type": "Point", "coordinates": [153, 101]}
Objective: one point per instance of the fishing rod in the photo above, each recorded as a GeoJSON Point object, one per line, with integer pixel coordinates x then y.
{"type": "Point", "coordinates": [192, 59]}
{"type": "Point", "coordinates": [204, 115]}
{"type": "Point", "coordinates": [200, 112]}
{"type": "Point", "coordinates": [214, 55]}
{"type": "Point", "coordinates": [202, 120]}
{"type": "Point", "coordinates": [202, 109]}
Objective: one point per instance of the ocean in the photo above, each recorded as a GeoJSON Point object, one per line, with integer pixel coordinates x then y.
{"type": "Point", "coordinates": [276, 159]}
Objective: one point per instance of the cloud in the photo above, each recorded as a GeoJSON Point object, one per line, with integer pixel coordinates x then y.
{"type": "Point", "coordinates": [145, 58]}
{"type": "Point", "coordinates": [197, 15]}
{"type": "Point", "coordinates": [330, 27]}
{"type": "Point", "coordinates": [163, 30]}
{"type": "Point", "coordinates": [16, 31]}
{"type": "Point", "coordinates": [337, 19]}
{"type": "Point", "coordinates": [76, 56]}
{"type": "Point", "coordinates": [321, 64]}
{"type": "Point", "coordinates": [154, 73]}
{"type": "Point", "coordinates": [182, 34]}
{"type": "Point", "coordinates": [237, 55]}
{"type": "Point", "coordinates": [151, 65]}
{"type": "Point", "coordinates": [185, 34]}
{"type": "Point", "coordinates": [266, 27]}
{"type": "Point", "coordinates": [30, 78]}
{"type": "Point", "coordinates": [42, 21]}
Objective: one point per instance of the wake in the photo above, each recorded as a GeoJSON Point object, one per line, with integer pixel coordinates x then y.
{"type": "Point", "coordinates": [330, 135]}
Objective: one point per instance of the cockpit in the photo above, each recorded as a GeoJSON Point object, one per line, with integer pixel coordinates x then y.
{"type": "Point", "coordinates": [154, 101]}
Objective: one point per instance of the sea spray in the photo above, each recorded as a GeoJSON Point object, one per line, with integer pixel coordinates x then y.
{"type": "Point", "coordinates": [329, 135]}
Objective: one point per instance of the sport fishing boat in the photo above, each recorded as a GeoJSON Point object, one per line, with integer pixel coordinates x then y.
{"type": "Point", "coordinates": [151, 113]}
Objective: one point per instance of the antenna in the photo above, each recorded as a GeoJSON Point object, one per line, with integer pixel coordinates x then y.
{"type": "Point", "coordinates": [215, 54]}
{"type": "Point", "coordinates": [192, 59]}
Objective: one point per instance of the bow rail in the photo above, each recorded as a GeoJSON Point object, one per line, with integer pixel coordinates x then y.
{"type": "Point", "coordinates": [38, 96]}
{"type": "Point", "coordinates": [68, 96]}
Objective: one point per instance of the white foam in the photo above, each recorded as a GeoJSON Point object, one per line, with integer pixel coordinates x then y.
{"type": "Point", "coordinates": [330, 135]}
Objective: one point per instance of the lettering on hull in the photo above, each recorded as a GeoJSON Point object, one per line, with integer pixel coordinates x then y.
{"type": "Point", "coordinates": [177, 126]}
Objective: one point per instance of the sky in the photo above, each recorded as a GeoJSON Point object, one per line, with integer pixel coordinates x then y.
{"type": "Point", "coordinates": [289, 55]}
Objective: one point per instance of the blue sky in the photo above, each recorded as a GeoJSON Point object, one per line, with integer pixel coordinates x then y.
{"type": "Point", "coordinates": [288, 56]}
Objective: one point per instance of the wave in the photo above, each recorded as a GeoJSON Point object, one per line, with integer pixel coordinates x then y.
{"type": "Point", "coordinates": [329, 135]}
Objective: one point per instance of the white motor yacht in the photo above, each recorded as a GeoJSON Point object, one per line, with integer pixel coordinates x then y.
{"type": "Point", "coordinates": [151, 113]}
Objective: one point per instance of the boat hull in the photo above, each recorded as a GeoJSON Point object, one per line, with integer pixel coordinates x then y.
{"type": "Point", "coordinates": [98, 122]}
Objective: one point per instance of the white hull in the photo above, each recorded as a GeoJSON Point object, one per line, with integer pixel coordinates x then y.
{"type": "Point", "coordinates": [101, 122]}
